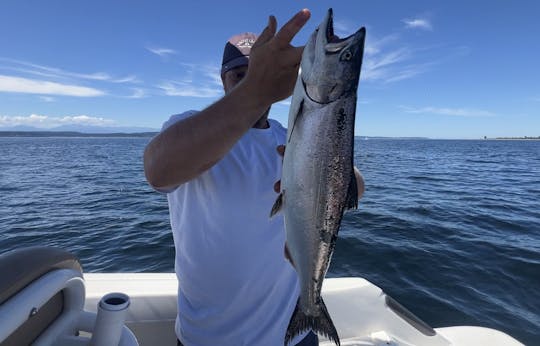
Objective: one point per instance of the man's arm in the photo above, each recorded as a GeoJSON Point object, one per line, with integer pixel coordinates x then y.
{"type": "Point", "coordinates": [191, 146]}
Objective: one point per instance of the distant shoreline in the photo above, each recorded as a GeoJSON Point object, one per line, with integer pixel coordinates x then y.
{"type": "Point", "coordinates": [515, 138]}
{"type": "Point", "coordinates": [72, 134]}
{"type": "Point", "coordinates": [150, 134]}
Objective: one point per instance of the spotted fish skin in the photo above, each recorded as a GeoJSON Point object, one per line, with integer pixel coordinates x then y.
{"type": "Point", "coordinates": [318, 181]}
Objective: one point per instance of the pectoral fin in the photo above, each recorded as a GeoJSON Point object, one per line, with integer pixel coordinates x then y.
{"type": "Point", "coordinates": [352, 193]}
{"type": "Point", "coordinates": [298, 114]}
{"type": "Point", "coordinates": [277, 205]}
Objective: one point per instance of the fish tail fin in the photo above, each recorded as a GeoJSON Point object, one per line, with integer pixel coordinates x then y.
{"type": "Point", "coordinates": [321, 324]}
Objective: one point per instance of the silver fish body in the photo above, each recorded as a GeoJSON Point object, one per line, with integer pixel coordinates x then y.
{"type": "Point", "coordinates": [318, 181]}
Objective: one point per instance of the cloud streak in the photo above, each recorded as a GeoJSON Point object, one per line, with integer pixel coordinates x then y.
{"type": "Point", "coordinates": [162, 52]}
{"type": "Point", "coordinates": [45, 121]}
{"type": "Point", "coordinates": [389, 66]}
{"type": "Point", "coordinates": [343, 28]}
{"type": "Point", "coordinates": [137, 94]}
{"type": "Point", "coordinates": [56, 73]}
{"type": "Point", "coordinates": [34, 86]}
{"type": "Point", "coordinates": [202, 81]}
{"type": "Point", "coordinates": [460, 112]}
{"type": "Point", "coordinates": [176, 88]}
{"type": "Point", "coordinates": [418, 23]}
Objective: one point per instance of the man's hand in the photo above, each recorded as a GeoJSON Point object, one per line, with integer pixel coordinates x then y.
{"type": "Point", "coordinates": [274, 62]}
{"type": "Point", "coordinates": [191, 146]}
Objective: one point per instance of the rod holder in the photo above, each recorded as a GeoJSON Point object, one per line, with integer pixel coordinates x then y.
{"type": "Point", "coordinates": [111, 315]}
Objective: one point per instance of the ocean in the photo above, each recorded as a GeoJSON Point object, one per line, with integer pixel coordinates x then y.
{"type": "Point", "coordinates": [448, 228]}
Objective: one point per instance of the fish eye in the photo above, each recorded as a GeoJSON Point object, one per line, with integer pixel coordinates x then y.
{"type": "Point", "coordinates": [347, 55]}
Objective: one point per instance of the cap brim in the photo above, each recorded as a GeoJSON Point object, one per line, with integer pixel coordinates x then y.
{"type": "Point", "coordinates": [236, 62]}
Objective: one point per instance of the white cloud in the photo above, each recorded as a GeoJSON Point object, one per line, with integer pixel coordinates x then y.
{"type": "Point", "coordinates": [373, 46]}
{"type": "Point", "coordinates": [389, 58]}
{"type": "Point", "coordinates": [86, 120]}
{"type": "Point", "coordinates": [209, 73]}
{"type": "Point", "coordinates": [137, 94]}
{"type": "Point", "coordinates": [56, 73]}
{"type": "Point", "coordinates": [162, 52]}
{"type": "Point", "coordinates": [127, 79]}
{"type": "Point", "coordinates": [47, 98]}
{"type": "Point", "coordinates": [417, 23]}
{"type": "Point", "coordinates": [197, 80]}
{"type": "Point", "coordinates": [343, 28]}
{"type": "Point", "coordinates": [215, 76]}
{"type": "Point", "coordinates": [45, 121]}
{"type": "Point", "coordinates": [461, 112]}
{"type": "Point", "coordinates": [175, 88]}
{"type": "Point", "coordinates": [34, 86]}
{"type": "Point", "coordinates": [382, 62]}
{"type": "Point", "coordinates": [389, 66]}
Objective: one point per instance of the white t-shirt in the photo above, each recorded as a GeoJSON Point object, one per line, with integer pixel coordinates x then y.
{"type": "Point", "coordinates": [235, 285]}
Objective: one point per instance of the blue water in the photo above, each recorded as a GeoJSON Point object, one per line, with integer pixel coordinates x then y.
{"type": "Point", "coordinates": [449, 228]}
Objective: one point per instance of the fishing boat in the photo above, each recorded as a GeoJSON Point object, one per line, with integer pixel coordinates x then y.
{"type": "Point", "coordinates": [46, 299]}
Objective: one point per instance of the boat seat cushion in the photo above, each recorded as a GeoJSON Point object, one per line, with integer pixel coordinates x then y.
{"type": "Point", "coordinates": [29, 331]}
{"type": "Point", "coordinates": [19, 268]}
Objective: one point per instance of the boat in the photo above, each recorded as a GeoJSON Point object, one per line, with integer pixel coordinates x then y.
{"type": "Point", "coordinates": [46, 299]}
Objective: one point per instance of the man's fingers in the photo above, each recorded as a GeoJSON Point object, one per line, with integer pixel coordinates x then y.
{"type": "Point", "coordinates": [294, 54]}
{"type": "Point", "coordinates": [277, 186]}
{"type": "Point", "coordinates": [291, 28]}
{"type": "Point", "coordinates": [267, 33]}
{"type": "Point", "coordinates": [272, 24]}
{"type": "Point", "coordinates": [281, 149]}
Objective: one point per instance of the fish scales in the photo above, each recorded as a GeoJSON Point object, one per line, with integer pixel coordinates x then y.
{"type": "Point", "coordinates": [318, 181]}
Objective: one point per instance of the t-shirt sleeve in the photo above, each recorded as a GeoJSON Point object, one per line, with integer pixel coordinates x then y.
{"type": "Point", "coordinates": [176, 118]}
{"type": "Point", "coordinates": [171, 121]}
{"type": "Point", "coordinates": [279, 131]}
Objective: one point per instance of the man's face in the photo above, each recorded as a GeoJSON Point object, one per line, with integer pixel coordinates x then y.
{"type": "Point", "coordinates": [232, 77]}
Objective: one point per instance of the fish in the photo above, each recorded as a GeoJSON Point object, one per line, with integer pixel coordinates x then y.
{"type": "Point", "coordinates": [318, 182]}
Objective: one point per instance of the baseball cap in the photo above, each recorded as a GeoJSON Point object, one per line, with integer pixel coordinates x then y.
{"type": "Point", "coordinates": [236, 52]}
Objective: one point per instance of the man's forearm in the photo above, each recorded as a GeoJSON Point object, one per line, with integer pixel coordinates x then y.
{"type": "Point", "coordinates": [188, 148]}
{"type": "Point", "coordinates": [191, 146]}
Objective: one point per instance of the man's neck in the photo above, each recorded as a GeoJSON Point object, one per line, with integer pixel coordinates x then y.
{"type": "Point", "coordinates": [263, 123]}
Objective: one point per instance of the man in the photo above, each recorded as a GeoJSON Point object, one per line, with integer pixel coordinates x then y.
{"type": "Point", "coordinates": [218, 167]}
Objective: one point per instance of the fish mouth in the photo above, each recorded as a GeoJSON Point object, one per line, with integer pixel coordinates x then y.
{"type": "Point", "coordinates": [332, 64]}
{"type": "Point", "coordinates": [330, 26]}
{"type": "Point", "coordinates": [334, 43]}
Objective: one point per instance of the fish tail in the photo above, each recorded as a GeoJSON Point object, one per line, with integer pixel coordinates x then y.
{"type": "Point", "coordinates": [321, 324]}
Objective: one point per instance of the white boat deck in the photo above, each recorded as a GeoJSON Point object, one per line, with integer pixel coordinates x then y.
{"type": "Point", "coordinates": [359, 309]}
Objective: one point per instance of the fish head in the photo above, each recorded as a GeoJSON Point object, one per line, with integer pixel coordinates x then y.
{"type": "Point", "coordinates": [330, 67]}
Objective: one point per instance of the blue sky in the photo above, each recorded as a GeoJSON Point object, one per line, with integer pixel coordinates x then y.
{"type": "Point", "coordinates": [439, 69]}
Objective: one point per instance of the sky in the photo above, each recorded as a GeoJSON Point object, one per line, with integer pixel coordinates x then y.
{"type": "Point", "coordinates": [438, 69]}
